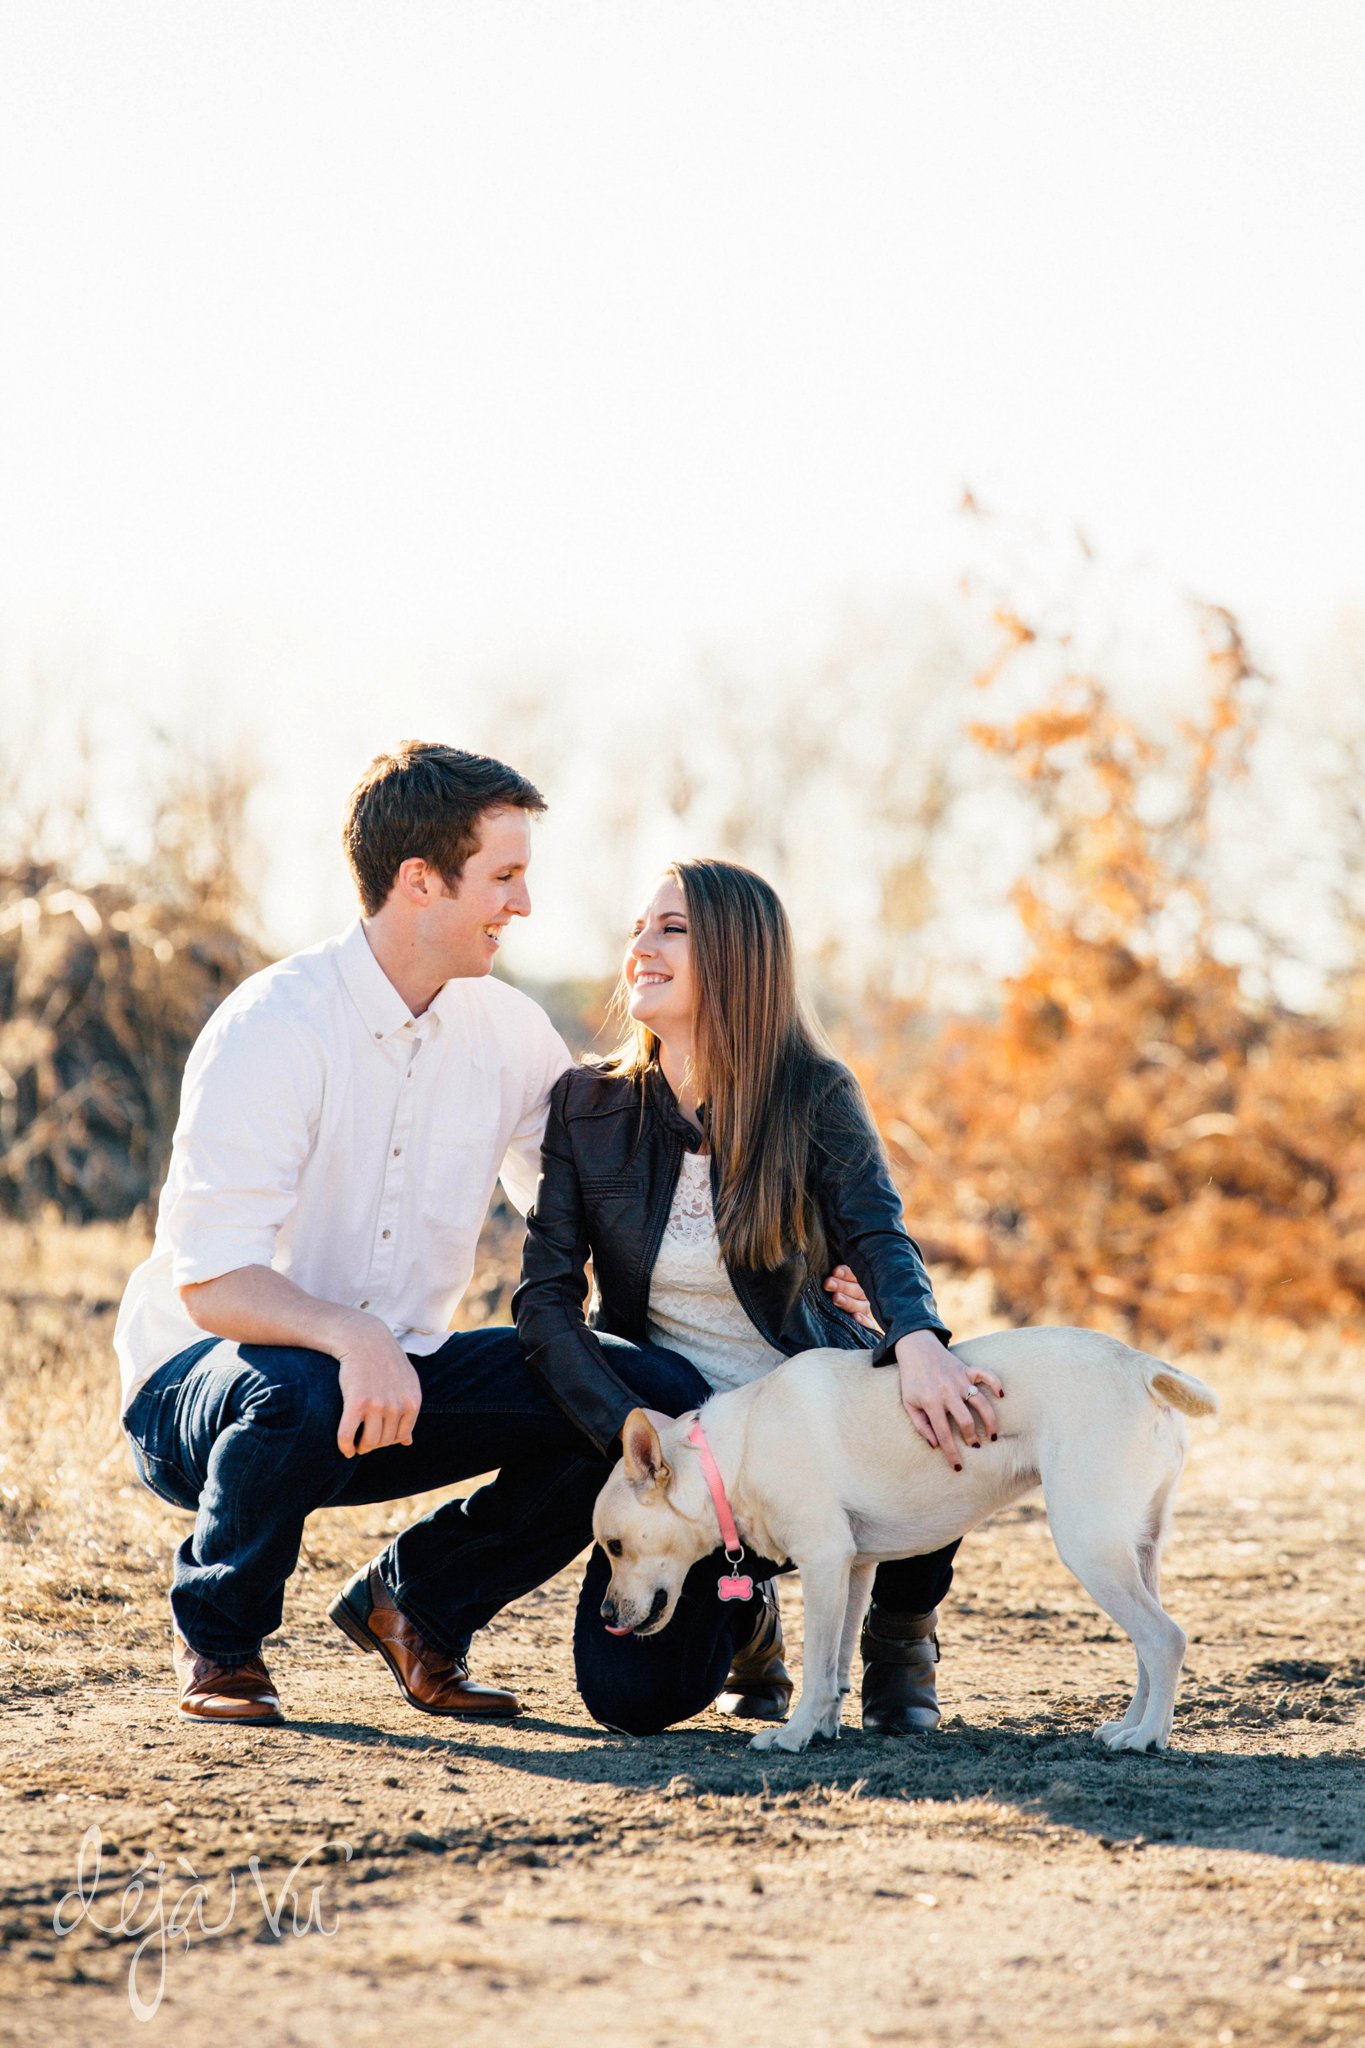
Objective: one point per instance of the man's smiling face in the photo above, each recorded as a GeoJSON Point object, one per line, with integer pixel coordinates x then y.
{"type": "Point", "coordinates": [469, 920]}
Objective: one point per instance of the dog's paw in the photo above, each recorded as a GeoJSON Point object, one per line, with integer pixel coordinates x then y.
{"type": "Point", "coordinates": [780, 1738]}
{"type": "Point", "coordinates": [1139, 1740]}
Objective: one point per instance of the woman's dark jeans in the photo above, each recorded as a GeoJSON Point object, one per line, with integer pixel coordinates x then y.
{"type": "Point", "coordinates": [245, 1438]}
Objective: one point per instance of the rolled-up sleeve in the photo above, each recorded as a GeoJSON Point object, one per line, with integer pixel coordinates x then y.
{"type": "Point", "coordinates": [249, 1113]}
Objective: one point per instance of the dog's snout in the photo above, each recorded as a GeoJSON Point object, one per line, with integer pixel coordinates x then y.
{"type": "Point", "coordinates": [610, 1619]}
{"type": "Point", "coordinates": [616, 1626]}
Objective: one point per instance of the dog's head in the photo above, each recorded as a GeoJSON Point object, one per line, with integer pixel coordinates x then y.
{"type": "Point", "coordinates": [650, 1542]}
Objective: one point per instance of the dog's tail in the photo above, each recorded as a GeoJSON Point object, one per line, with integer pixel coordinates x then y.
{"type": "Point", "coordinates": [1181, 1389]}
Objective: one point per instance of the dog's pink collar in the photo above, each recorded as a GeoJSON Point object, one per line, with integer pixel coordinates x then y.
{"type": "Point", "coordinates": [734, 1584]}
{"type": "Point", "coordinates": [729, 1534]}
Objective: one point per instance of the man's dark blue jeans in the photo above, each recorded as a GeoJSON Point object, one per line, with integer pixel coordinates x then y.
{"type": "Point", "coordinates": [245, 1436]}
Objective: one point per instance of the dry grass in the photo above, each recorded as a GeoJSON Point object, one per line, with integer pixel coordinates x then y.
{"type": "Point", "coordinates": [1002, 1884]}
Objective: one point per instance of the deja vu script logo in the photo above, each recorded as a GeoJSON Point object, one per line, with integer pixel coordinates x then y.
{"type": "Point", "coordinates": [145, 1912]}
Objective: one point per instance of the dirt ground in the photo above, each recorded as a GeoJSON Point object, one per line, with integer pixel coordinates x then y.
{"type": "Point", "coordinates": [1002, 1881]}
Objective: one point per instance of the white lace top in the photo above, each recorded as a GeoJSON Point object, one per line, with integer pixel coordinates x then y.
{"type": "Point", "coordinates": [692, 1306]}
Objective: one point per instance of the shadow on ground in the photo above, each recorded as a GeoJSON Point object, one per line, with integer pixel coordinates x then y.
{"type": "Point", "coordinates": [1261, 1801]}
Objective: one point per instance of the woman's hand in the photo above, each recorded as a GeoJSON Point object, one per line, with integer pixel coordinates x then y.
{"type": "Point", "coordinates": [938, 1391]}
{"type": "Point", "coordinates": [843, 1285]}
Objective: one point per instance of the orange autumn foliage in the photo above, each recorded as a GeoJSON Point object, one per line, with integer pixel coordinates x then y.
{"type": "Point", "coordinates": [1131, 1141]}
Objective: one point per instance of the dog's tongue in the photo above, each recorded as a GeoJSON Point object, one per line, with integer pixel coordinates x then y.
{"type": "Point", "coordinates": [617, 1631]}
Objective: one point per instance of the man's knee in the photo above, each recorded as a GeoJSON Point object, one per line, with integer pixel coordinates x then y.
{"type": "Point", "coordinates": [293, 1391]}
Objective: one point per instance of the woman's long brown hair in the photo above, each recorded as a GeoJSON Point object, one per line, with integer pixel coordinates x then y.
{"type": "Point", "coordinates": [760, 1062]}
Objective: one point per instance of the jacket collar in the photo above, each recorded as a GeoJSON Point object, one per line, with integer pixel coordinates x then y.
{"type": "Point", "coordinates": [664, 1104]}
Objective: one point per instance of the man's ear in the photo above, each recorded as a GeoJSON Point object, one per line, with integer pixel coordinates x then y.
{"type": "Point", "coordinates": [416, 880]}
{"type": "Point", "coordinates": [642, 1453]}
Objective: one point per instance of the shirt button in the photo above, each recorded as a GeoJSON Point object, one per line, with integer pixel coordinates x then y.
{"type": "Point", "coordinates": [379, 1034]}
{"type": "Point", "coordinates": [386, 1233]}
{"type": "Point", "coordinates": [364, 1304]}
{"type": "Point", "coordinates": [398, 1151]}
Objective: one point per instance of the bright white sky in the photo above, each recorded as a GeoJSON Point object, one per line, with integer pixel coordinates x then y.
{"type": "Point", "coordinates": [353, 353]}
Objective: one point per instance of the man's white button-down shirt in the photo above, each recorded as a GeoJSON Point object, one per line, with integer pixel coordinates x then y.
{"type": "Point", "coordinates": [327, 1132]}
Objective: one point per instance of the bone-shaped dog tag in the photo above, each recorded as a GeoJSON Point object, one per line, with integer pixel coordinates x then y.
{"type": "Point", "coordinates": [735, 1586]}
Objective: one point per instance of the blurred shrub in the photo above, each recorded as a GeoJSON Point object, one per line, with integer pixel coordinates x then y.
{"type": "Point", "coordinates": [103, 990]}
{"type": "Point", "coordinates": [1130, 1140]}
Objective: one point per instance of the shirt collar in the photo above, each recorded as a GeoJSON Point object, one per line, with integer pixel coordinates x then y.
{"type": "Point", "coordinates": [381, 1008]}
{"type": "Point", "coordinates": [449, 999]}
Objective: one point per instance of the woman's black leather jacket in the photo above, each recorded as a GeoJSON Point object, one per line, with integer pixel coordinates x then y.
{"type": "Point", "coordinates": [612, 1155]}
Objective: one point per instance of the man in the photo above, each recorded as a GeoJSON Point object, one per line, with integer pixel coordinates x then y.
{"type": "Point", "coordinates": [345, 1115]}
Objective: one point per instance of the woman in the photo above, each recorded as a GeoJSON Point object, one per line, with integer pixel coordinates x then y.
{"type": "Point", "coordinates": [710, 1170]}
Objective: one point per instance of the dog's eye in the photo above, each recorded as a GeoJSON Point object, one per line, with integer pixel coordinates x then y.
{"type": "Point", "coordinates": [614, 1547]}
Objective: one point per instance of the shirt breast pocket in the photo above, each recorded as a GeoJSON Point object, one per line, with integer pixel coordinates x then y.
{"type": "Point", "coordinates": [461, 1167]}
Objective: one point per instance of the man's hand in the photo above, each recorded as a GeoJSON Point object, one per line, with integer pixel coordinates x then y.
{"type": "Point", "coordinates": [380, 1390]}
{"type": "Point", "coordinates": [843, 1285]}
{"type": "Point", "coordinates": [938, 1391]}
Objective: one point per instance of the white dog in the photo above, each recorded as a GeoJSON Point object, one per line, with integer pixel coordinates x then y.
{"type": "Point", "coordinates": [818, 1464]}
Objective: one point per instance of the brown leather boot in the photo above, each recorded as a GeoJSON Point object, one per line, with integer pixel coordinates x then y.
{"type": "Point", "coordinates": [899, 1655]}
{"type": "Point", "coordinates": [226, 1693]}
{"type": "Point", "coordinates": [759, 1687]}
{"type": "Point", "coordinates": [429, 1679]}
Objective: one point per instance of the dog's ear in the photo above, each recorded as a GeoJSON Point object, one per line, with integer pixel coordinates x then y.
{"type": "Point", "coordinates": [642, 1454]}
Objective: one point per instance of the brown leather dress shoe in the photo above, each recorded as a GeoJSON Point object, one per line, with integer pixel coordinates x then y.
{"type": "Point", "coordinates": [759, 1687]}
{"type": "Point", "coordinates": [429, 1679]}
{"type": "Point", "coordinates": [236, 1693]}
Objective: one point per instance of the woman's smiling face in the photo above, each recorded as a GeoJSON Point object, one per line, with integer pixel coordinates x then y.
{"type": "Point", "coordinates": [658, 963]}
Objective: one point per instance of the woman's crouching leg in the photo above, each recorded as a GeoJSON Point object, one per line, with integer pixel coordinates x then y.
{"type": "Point", "coordinates": [640, 1685]}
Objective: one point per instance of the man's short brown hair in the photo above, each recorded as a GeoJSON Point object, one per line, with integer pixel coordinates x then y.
{"type": "Point", "coordinates": [425, 801]}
